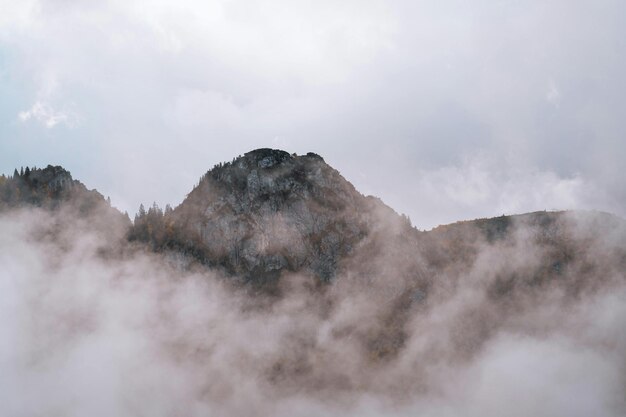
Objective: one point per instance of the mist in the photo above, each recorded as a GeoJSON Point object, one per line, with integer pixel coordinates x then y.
{"type": "Point", "coordinates": [91, 325]}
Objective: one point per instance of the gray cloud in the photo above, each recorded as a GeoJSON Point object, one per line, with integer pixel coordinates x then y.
{"type": "Point", "coordinates": [391, 94]}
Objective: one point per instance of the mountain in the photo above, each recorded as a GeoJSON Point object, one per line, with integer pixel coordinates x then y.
{"type": "Point", "coordinates": [274, 220]}
{"type": "Point", "coordinates": [50, 187]}
{"type": "Point", "coordinates": [363, 301]}
{"type": "Point", "coordinates": [269, 211]}
{"type": "Point", "coordinates": [53, 189]}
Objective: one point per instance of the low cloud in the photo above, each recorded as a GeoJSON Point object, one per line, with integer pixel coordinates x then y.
{"type": "Point", "coordinates": [486, 185]}
{"type": "Point", "coordinates": [89, 327]}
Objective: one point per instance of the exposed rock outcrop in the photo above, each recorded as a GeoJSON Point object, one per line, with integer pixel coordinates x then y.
{"type": "Point", "coordinates": [270, 211]}
{"type": "Point", "coordinates": [53, 188]}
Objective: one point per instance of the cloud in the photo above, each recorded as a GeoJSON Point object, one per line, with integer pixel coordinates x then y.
{"type": "Point", "coordinates": [409, 88]}
{"type": "Point", "coordinates": [129, 332]}
{"type": "Point", "coordinates": [487, 185]}
{"type": "Point", "coordinates": [207, 109]}
{"type": "Point", "coordinates": [47, 116]}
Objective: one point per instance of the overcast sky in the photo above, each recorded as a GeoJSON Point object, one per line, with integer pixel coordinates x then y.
{"type": "Point", "coordinates": [447, 110]}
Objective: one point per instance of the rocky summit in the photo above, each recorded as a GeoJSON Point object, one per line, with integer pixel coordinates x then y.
{"type": "Point", "coordinates": [269, 211]}
{"type": "Point", "coordinates": [49, 187]}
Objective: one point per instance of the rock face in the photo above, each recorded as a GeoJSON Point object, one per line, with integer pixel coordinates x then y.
{"type": "Point", "coordinates": [53, 188]}
{"type": "Point", "coordinates": [270, 211]}
{"type": "Point", "coordinates": [44, 187]}
{"type": "Point", "coordinates": [53, 178]}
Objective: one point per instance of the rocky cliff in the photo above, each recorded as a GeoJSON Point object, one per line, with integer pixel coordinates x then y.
{"type": "Point", "coordinates": [269, 211]}
{"type": "Point", "coordinates": [47, 187]}
{"type": "Point", "coordinates": [53, 189]}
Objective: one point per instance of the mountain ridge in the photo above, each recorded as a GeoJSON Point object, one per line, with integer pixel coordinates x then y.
{"type": "Point", "coordinates": [283, 228]}
{"type": "Point", "coordinates": [265, 212]}
{"type": "Point", "coordinates": [277, 269]}
{"type": "Point", "coordinates": [269, 212]}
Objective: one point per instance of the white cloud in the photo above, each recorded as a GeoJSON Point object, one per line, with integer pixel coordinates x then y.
{"type": "Point", "coordinates": [487, 185]}
{"type": "Point", "coordinates": [44, 113]}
